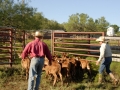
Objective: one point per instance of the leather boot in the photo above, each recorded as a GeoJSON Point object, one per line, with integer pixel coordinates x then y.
{"type": "Point", "coordinates": [100, 79]}
{"type": "Point", "coordinates": [115, 81]}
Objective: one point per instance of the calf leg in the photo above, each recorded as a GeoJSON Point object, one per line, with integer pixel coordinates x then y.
{"type": "Point", "coordinates": [55, 78]}
{"type": "Point", "coordinates": [89, 75]}
{"type": "Point", "coordinates": [22, 70]}
{"type": "Point", "coordinates": [27, 74]}
{"type": "Point", "coordinates": [61, 78]}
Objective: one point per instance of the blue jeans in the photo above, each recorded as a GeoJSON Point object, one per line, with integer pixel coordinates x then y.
{"type": "Point", "coordinates": [35, 73]}
{"type": "Point", "coordinates": [105, 64]}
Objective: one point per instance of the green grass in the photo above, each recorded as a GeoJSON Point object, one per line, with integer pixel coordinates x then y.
{"type": "Point", "coordinates": [14, 79]}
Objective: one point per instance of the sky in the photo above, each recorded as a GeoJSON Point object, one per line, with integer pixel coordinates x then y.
{"type": "Point", "coordinates": [60, 10]}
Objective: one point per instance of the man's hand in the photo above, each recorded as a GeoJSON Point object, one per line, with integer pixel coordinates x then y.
{"type": "Point", "coordinates": [23, 59]}
{"type": "Point", "coordinates": [97, 62]}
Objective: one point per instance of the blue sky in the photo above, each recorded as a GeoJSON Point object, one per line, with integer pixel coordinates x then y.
{"type": "Point", "coordinates": [60, 10]}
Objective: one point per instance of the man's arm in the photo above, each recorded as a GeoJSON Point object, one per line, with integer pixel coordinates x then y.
{"type": "Point", "coordinates": [102, 53]}
{"type": "Point", "coordinates": [26, 51]}
{"type": "Point", "coordinates": [48, 54]}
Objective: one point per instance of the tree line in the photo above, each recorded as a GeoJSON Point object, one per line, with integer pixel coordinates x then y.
{"type": "Point", "coordinates": [24, 17]}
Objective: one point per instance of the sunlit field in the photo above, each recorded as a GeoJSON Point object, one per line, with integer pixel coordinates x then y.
{"type": "Point", "coordinates": [14, 79]}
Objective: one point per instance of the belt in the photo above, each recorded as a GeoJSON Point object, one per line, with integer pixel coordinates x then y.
{"type": "Point", "coordinates": [39, 56]}
{"type": "Point", "coordinates": [108, 56]}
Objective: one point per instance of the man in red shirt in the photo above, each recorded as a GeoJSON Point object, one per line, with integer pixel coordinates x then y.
{"type": "Point", "coordinates": [37, 50]}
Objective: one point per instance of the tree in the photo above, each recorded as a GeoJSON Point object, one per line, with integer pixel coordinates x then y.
{"type": "Point", "coordinates": [116, 28]}
{"type": "Point", "coordinates": [15, 15]}
{"type": "Point", "coordinates": [37, 21]}
{"type": "Point", "coordinates": [76, 22]}
{"type": "Point", "coordinates": [21, 16]}
{"type": "Point", "coordinates": [83, 21]}
{"type": "Point", "coordinates": [101, 24]}
{"type": "Point", "coordinates": [90, 25]}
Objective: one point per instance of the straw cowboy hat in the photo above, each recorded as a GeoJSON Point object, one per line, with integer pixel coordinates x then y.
{"type": "Point", "coordinates": [38, 34]}
{"type": "Point", "coordinates": [101, 39]}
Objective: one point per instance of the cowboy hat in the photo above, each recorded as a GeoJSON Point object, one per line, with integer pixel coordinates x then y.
{"type": "Point", "coordinates": [101, 39]}
{"type": "Point", "coordinates": [38, 34]}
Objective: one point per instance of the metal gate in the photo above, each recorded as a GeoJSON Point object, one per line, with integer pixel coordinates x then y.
{"type": "Point", "coordinates": [76, 43]}
{"type": "Point", "coordinates": [83, 44]}
{"type": "Point", "coordinates": [11, 42]}
{"type": "Point", "coordinates": [6, 45]}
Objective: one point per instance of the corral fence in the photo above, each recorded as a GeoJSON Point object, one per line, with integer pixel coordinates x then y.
{"type": "Point", "coordinates": [83, 44]}
{"type": "Point", "coordinates": [6, 45]}
{"type": "Point", "coordinates": [115, 46]}
{"type": "Point", "coordinates": [11, 41]}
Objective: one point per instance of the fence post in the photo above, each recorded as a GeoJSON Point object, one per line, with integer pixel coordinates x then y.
{"type": "Point", "coordinates": [53, 44]}
{"type": "Point", "coordinates": [51, 41]}
{"type": "Point", "coordinates": [24, 39]}
{"type": "Point", "coordinates": [11, 46]}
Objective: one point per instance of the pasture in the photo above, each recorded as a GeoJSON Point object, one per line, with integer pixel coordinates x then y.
{"type": "Point", "coordinates": [14, 79]}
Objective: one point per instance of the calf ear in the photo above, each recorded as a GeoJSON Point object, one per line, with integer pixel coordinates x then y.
{"type": "Point", "coordinates": [76, 58]}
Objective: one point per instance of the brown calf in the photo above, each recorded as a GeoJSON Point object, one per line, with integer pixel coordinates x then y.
{"type": "Point", "coordinates": [54, 69]}
{"type": "Point", "coordinates": [85, 65]}
{"type": "Point", "coordinates": [25, 63]}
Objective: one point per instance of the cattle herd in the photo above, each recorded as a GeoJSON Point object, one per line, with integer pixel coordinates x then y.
{"type": "Point", "coordinates": [70, 68]}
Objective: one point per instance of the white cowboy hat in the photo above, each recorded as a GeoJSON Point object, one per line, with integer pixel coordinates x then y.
{"type": "Point", "coordinates": [38, 34]}
{"type": "Point", "coordinates": [101, 39]}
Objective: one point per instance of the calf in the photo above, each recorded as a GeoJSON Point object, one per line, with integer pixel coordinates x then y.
{"type": "Point", "coordinates": [85, 65]}
{"type": "Point", "coordinates": [54, 69]}
{"type": "Point", "coordinates": [25, 63]}
{"type": "Point", "coordinates": [65, 65]}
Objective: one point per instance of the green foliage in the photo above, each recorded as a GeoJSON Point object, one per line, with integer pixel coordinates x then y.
{"type": "Point", "coordinates": [118, 33]}
{"type": "Point", "coordinates": [83, 23]}
{"type": "Point", "coordinates": [116, 28]}
{"type": "Point", "coordinates": [15, 15]}
{"type": "Point", "coordinates": [91, 26]}
{"type": "Point", "coordinates": [101, 24]}
{"type": "Point", "coordinates": [22, 16]}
